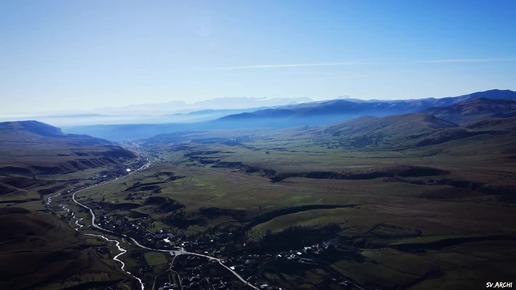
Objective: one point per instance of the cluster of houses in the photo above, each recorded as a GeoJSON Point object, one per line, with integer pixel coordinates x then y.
{"type": "Point", "coordinates": [118, 171]}
{"type": "Point", "coordinates": [198, 272]}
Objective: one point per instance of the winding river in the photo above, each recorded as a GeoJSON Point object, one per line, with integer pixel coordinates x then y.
{"type": "Point", "coordinates": [173, 253]}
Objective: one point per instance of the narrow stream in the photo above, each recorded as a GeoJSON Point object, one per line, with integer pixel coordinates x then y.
{"type": "Point", "coordinates": [122, 251]}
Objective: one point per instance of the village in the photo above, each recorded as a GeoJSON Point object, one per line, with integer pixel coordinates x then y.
{"type": "Point", "coordinates": [192, 268]}
{"type": "Point", "coordinates": [198, 271]}
{"type": "Point", "coordinates": [223, 260]}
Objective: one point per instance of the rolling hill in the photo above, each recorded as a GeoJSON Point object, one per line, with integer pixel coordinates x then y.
{"type": "Point", "coordinates": [30, 149]}
{"type": "Point", "coordinates": [477, 117]}
{"type": "Point", "coordinates": [475, 110]}
{"type": "Point", "coordinates": [397, 131]}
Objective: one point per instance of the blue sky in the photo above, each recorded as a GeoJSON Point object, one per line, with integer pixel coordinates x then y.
{"type": "Point", "coordinates": [79, 56]}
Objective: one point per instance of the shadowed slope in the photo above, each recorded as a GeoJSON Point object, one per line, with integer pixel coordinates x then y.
{"type": "Point", "coordinates": [475, 110]}
{"type": "Point", "coordinates": [38, 250]}
{"type": "Point", "coordinates": [31, 147]}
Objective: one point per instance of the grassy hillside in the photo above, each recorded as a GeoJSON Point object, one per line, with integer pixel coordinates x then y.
{"type": "Point", "coordinates": [40, 250]}
{"type": "Point", "coordinates": [399, 213]}
{"type": "Point", "coordinates": [475, 110]}
{"type": "Point", "coordinates": [37, 159]}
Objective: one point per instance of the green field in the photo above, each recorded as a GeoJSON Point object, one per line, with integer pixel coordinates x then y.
{"type": "Point", "coordinates": [409, 208]}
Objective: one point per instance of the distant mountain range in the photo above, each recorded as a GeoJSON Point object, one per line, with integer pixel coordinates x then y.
{"type": "Point", "coordinates": [454, 109]}
{"type": "Point", "coordinates": [337, 110]}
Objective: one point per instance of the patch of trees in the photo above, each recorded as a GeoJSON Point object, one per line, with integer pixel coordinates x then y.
{"type": "Point", "coordinates": [289, 210]}
{"type": "Point", "coordinates": [411, 171]}
{"type": "Point", "coordinates": [137, 214]}
{"type": "Point", "coordinates": [448, 243]}
{"type": "Point", "coordinates": [215, 212]}
{"type": "Point", "coordinates": [297, 237]}
{"type": "Point", "coordinates": [118, 206]}
{"type": "Point", "coordinates": [51, 189]}
{"type": "Point", "coordinates": [270, 173]}
{"type": "Point", "coordinates": [144, 186]}
{"type": "Point", "coordinates": [164, 204]}
{"type": "Point", "coordinates": [179, 220]}
{"type": "Point", "coordinates": [505, 192]}
{"type": "Point", "coordinates": [418, 171]}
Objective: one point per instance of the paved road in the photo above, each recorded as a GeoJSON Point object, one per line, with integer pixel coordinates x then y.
{"type": "Point", "coordinates": [173, 253]}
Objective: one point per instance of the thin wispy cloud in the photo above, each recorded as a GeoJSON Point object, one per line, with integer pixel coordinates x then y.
{"type": "Point", "coordinates": [469, 60]}
{"type": "Point", "coordinates": [350, 63]}
{"type": "Point", "coordinates": [274, 66]}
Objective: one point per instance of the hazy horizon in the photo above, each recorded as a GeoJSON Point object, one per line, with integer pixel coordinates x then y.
{"type": "Point", "coordinates": [81, 56]}
{"type": "Point", "coordinates": [181, 112]}
{"type": "Point", "coordinates": [174, 111]}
